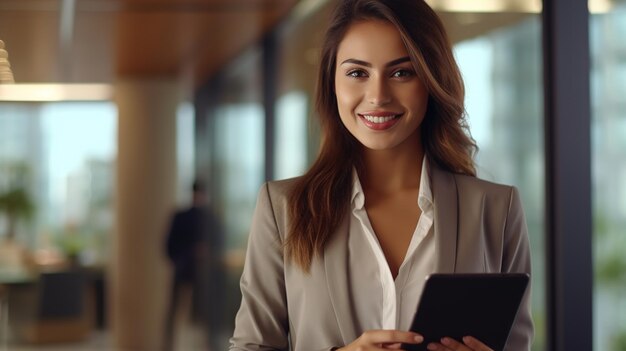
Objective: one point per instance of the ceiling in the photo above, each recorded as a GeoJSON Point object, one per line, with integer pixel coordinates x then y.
{"type": "Point", "coordinates": [100, 41]}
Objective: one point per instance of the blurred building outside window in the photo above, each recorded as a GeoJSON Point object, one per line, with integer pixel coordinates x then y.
{"type": "Point", "coordinates": [68, 151]}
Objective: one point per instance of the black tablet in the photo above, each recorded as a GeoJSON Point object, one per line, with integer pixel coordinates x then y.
{"type": "Point", "coordinates": [480, 305]}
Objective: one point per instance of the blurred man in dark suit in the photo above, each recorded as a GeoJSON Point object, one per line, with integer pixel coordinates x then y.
{"type": "Point", "coordinates": [194, 246]}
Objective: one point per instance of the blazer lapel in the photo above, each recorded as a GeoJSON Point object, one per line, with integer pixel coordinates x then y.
{"type": "Point", "coordinates": [336, 265]}
{"type": "Point", "coordinates": [445, 199]}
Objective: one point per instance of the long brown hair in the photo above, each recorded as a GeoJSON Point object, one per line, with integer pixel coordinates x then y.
{"type": "Point", "coordinates": [319, 199]}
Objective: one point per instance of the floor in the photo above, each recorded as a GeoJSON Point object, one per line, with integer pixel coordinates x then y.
{"type": "Point", "coordinates": [99, 341]}
{"type": "Point", "coordinates": [187, 339]}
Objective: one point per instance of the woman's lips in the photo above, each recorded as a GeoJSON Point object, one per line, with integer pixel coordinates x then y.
{"type": "Point", "coordinates": [378, 120]}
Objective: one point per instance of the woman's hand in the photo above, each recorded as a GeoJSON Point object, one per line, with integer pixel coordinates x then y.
{"type": "Point", "coordinates": [449, 344]}
{"type": "Point", "coordinates": [383, 340]}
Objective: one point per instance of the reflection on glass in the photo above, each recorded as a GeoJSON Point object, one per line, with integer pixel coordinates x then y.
{"type": "Point", "coordinates": [291, 136]}
{"type": "Point", "coordinates": [231, 156]}
{"type": "Point", "coordinates": [185, 134]}
{"type": "Point", "coordinates": [239, 158]}
{"type": "Point", "coordinates": [502, 73]}
{"type": "Point", "coordinates": [608, 83]}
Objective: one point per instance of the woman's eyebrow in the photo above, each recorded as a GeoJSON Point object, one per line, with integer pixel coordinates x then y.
{"type": "Point", "coordinates": [367, 64]}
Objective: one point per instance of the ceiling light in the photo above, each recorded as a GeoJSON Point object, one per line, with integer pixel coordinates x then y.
{"type": "Point", "coordinates": [600, 6]}
{"type": "Point", "coordinates": [55, 92]}
{"type": "Point", "coordinates": [523, 6]}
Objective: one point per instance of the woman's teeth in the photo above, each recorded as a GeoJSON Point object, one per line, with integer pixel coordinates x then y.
{"type": "Point", "coordinates": [376, 119]}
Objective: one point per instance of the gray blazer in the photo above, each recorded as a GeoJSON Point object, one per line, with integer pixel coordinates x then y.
{"type": "Point", "coordinates": [478, 226]}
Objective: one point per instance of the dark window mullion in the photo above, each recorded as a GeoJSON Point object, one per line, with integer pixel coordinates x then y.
{"type": "Point", "coordinates": [568, 167]}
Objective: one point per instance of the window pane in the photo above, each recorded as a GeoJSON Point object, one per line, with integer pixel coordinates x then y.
{"type": "Point", "coordinates": [291, 136]}
{"type": "Point", "coordinates": [66, 152]}
{"type": "Point", "coordinates": [185, 133]}
{"type": "Point", "coordinates": [237, 134]}
{"type": "Point", "coordinates": [608, 84]}
{"type": "Point", "coordinates": [235, 138]}
{"type": "Point", "coordinates": [503, 80]}
{"type": "Point", "coordinates": [239, 160]}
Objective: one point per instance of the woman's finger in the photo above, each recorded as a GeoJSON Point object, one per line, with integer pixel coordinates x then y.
{"type": "Point", "coordinates": [454, 345]}
{"type": "Point", "coordinates": [449, 344]}
{"type": "Point", "coordinates": [392, 346]}
{"type": "Point", "coordinates": [475, 344]}
{"type": "Point", "coordinates": [391, 337]}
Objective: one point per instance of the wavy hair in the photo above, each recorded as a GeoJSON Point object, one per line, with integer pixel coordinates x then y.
{"type": "Point", "coordinates": [319, 199]}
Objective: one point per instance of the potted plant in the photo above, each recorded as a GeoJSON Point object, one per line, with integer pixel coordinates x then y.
{"type": "Point", "coordinates": [15, 201]}
{"type": "Point", "coordinates": [15, 204]}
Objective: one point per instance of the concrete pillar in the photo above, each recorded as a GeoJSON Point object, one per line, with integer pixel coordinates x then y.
{"type": "Point", "coordinates": [145, 198]}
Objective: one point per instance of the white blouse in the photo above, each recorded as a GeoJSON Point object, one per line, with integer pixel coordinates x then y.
{"type": "Point", "coordinates": [389, 304]}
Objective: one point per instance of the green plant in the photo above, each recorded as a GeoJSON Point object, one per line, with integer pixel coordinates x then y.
{"type": "Point", "coordinates": [611, 269]}
{"type": "Point", "coordinates": [71, 243]}
{"type": "Point", "coordinates": [15, 201]}
{"type": "Point", "coordinates": [619, 341]}
{"type": "Point", "coordinates": [16, 204]}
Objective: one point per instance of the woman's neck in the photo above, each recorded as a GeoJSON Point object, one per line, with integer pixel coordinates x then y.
{"type": "Point", "coordinates": [389, 171]}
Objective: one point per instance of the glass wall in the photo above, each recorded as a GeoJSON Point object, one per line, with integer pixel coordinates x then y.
{"type": "Point", "coordinates": [237, 150]}
{"type": "Point", "coordinates": [291, 135]}
{"type": "Point", "coordinates": [608, 83]}
{"type": "Point", "coordinates": [503, 80]}
{"type": "Point", "coordinates": [297, 58]}
{"type": "Point", "coordinates": [233, 131]}
{"type": "Point", "coordinates": [185, 155]}
{"type": "Point", "coordinates": [61, 156]}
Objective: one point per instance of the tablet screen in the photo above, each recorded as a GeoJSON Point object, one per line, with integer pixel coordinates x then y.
{"type": "Point", "coordinates": [480, 305]}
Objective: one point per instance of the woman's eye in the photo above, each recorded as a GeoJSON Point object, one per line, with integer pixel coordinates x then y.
{"type": "Point", "coordinates": [357, 73]}
{"type": "Point", "coordinates": [403, 73]}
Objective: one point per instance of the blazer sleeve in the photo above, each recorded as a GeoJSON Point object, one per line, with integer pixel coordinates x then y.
{"type": "Point", "coordinates": [262, 322]}
{"type": "Point", "coordinates": [516, 258]}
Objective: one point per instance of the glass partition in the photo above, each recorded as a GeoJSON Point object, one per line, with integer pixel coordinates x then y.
{"type": "Point", "coordinates": [236, 131]}
{"type": "Point", "coordinates": [291, 136]}
{"type": "Point", "coordinates": [239, 156]}
{"type": "Point", "coordinates": [234, 134]}
{"type": "Point", "coordinates": [503, 81]}
{"type": "Point", "coordinates": [608, 136]}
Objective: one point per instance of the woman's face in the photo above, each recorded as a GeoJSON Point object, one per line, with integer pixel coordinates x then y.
{"type": "Point", "coordinates": [381, 100]}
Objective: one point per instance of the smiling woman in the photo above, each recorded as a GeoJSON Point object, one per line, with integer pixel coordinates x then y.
{"type": "Point", "coordinates": [377, 88]}
{"type": "Point", "coordinates": [337, 258]}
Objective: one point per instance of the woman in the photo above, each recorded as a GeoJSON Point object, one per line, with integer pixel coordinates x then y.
{"type": "Point", "coordinates": [337, 258]}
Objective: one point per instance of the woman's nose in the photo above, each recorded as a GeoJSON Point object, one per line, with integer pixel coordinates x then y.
{"type": "Point", "coordinates": [379, 93]}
